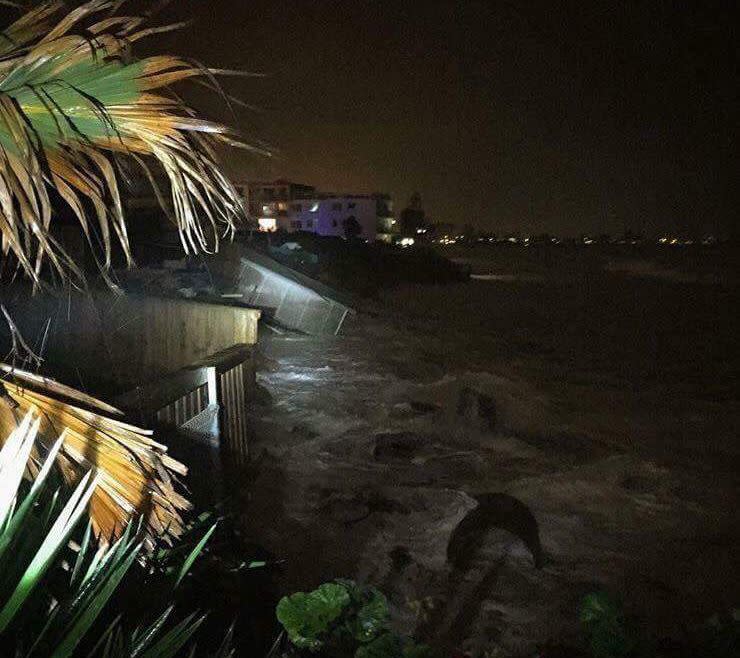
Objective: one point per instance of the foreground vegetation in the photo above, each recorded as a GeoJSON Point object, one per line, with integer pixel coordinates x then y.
{"type": "Point", "coordinates": [343, 619]}
{"type": "Point", "coordinates": [56, 593]}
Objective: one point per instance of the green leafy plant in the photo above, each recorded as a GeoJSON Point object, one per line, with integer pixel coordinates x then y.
{"type": "Point", "coordinates": [307, 617]}
{"type": "Point", "coordinates": [53, 598]}
{"type": "Point", "coordinates": [604, 624]}
{"type": "Point", "coordinates": [344, 619]}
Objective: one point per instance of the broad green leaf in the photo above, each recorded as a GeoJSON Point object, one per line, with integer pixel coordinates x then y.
{"type": "Point", "coordinates": [372, 617]}
{"type": "Point", "coordinates": [307, 616]}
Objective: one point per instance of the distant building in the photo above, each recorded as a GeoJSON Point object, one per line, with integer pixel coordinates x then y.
{"type": "Point", "coordinates": [267, 202]}
{"type": "Point", "coordinates": [292, 207]}
{"type": "Point", "coordinates": [388, 229]}
{"type": "Point", "coordinates": [413, 220]}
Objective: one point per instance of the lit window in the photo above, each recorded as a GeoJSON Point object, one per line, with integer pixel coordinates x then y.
{"type": "Point", "coordinates": [266, 209]}
{"type": "Point", "coordinates": [267, 224]}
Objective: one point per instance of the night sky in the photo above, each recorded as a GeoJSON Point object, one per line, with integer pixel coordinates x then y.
{"type": "Point", "coordinates": [561, 117]}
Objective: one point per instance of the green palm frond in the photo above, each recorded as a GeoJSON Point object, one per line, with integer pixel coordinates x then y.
{"type": "Point", "coordinates": [73, 101]}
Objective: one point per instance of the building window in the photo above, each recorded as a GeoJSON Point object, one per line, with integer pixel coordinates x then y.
{"type": "Point", "coordinates": [336, 206]}
{"type": "Point", "coordinates": [309, 223]}
{"type": "Point", "coordinates": [296, 224]}
{"type": "Point", "coordinates": [297, 207]}
{"type": "Point", "coordinates": [267, 224]}
{"type": "Point", "coordinates": [351, 206]}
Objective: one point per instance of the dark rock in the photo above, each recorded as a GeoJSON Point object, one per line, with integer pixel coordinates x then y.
{"type": "Point", "coordinates": [487, 409]}
{"type": "Point", "coordinates": [350, 508]}
{"type": "Point", "coordinates": [495, 511]}
{"type": "Point", "coordinates": [346, 509]}
{"type": "Point", "coordinates": [477, 408]}
{"type": "Point", "coordinates": [304, 431]}
{"type": "Point", "coordinates": [400, 557]}
{"type": "Point", "coordinates": [397, 445]}
{"type": "Point", "coordinates": [423, 407]}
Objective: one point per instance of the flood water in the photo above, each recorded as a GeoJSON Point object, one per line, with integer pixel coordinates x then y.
{"type": "Point", "coordinates": [604, 403]}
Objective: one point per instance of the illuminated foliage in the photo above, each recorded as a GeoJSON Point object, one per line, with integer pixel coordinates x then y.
{"type": "Point", "coordinates": [75, 103]}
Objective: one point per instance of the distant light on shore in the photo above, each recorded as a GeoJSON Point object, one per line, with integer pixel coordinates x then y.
{"type": "Point", "coordinates": [267, 224]}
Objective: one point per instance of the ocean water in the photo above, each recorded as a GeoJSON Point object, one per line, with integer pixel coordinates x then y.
{"type": "Point", "coordinates": [603, 399]}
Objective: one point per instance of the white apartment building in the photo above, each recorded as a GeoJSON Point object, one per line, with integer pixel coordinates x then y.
{"type": "Point", "coordinates": [294, 207]}
{"type": "Point", "coordinates": [329, 216]}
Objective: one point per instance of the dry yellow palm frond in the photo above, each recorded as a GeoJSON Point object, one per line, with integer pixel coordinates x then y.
{"type": "Point", "coordinates": [135, 471]}
{"type": "Point", "coordinates": [73, 101]}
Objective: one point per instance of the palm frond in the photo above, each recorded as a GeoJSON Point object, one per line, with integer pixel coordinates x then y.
{"type": "Point", "coordinates": [135, 473]}
{"type": "Point", "coordinates": [72, 101]}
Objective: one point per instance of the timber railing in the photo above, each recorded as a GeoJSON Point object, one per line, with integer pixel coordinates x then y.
{"type": "Point", "coordinates": [220, 383]}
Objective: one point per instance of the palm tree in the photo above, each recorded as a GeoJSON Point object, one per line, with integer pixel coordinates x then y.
{"type": "Point", "coordinates": [74, 104]}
